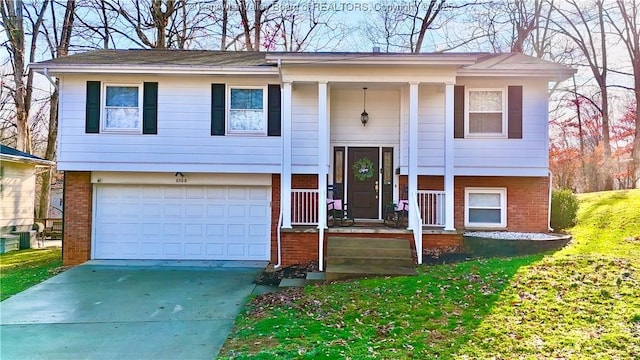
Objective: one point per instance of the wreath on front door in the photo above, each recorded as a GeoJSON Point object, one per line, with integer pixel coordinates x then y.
{"type": "Point", "coordinates": [363, 169]}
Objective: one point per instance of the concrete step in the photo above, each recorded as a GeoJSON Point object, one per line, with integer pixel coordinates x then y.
{"type": "Point", "coordinates": [365, 252]}
{"type": "Point", "coordinates": [284, 283]}
{"type": "Point", "coordinates": [335, 241]}
{"type": "Point", "coordinates": [315, 277]}
{"type": "Point", "coordinates": [341, 272]}
{"type": "Point", "coordinates": [368, 260]}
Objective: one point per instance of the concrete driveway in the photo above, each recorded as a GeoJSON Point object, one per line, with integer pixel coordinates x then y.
{"type": "Point", "coordinates": [138, 311]}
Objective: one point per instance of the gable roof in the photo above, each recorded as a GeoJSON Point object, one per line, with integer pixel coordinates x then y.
{"type": "Point", "coordinates": [510, 62]}
{"type": "Point", "coordinates": [10, 154]}
{"type": "Point", "coordinates": [167, 57]}
{"type": "Point", "coordinates": [244, 62]}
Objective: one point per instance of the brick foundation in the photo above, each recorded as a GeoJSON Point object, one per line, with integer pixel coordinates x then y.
{"type": "Point", "coordinates": [78, 195]}
{"type": "Point", "coordinates": [275, 213]}
{"type": "Point", "coordinates": [441, 241]}
{"type": "Point", "coordinates": [527, 200]}
{"type": "Point", "coordinates": [301, 247]}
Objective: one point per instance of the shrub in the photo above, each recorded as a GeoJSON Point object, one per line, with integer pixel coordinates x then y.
{"type": "Point", "coordinates": [564, 207]}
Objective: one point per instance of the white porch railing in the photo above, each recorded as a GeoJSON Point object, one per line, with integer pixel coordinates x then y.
{"type": "Point", "coordinates": [304, 207]}
{"type": "Point", "coordinates": [431, 204]}
{"type": "Point", "coordinates": [416, 221]}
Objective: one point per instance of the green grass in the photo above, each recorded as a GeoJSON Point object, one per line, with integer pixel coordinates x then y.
{"type": "Point", "coordinates": [580, 303]}
{"type": "Point", "coordinates": [22, 269]}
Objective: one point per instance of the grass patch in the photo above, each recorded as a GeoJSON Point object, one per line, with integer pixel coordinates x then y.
{"type": "Point", "coordinates": [22, 269]}
{"type": "Point", "coordinates": [580, 303]}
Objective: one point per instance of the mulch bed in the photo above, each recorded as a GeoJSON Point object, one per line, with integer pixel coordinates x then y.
{"type": "Point", "coordinates": [298, 271]}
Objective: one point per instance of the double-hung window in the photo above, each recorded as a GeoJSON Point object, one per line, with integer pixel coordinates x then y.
{"type": "Point", "coordinates": [486, 115]}
{"type": "Point", "coordinates": [485, 207]}
{"type": "Point", "coordinates": [122, 108]}
{"type": "Point", "coordinates": [246, 111]}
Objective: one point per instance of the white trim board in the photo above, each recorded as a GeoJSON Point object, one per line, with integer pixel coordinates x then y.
{"type": "Point", "coordinates": [162, 178]}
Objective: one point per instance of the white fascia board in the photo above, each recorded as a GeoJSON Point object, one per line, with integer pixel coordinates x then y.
{"type": "Point", "coordinates": [373, 59]}
{"type": "Point", "coordinates": [554, 75]}
{"type": "Point", "coordinates": [20, 159]}
{"type": "Point", "coordinates": [155, 69]}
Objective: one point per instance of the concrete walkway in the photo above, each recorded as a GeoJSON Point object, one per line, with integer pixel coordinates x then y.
{"type": "Point", "coordinates": [111, 311]}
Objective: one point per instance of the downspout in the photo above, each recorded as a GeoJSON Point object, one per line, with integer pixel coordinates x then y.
{"type": "Point", "coordinates": [550, 193]}
{"type": "Point", "coordinates": [45, 72]}
{"type": "Point", "coordinates": [278, 230]}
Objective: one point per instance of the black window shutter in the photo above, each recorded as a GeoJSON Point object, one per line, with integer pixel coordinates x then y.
{"type": "Point", "coordinates": [275, 108]}
{"type": "Point", "coordinates": [514, 112]}
{"type": "Point", "coordinates": [217, 109]}
{"type": "Point", "coordinates": [92, 121]}
{"type": "Point", "coordinates": [458, 112]}
{"type": "Point", "coordinates": [150, 108]}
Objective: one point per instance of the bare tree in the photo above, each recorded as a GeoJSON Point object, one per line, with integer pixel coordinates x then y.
{"type": "Point", "coordinates": [627, 26]}
{"type": "Point", "coordinates": [252, 28]}
{"type": "Point", "coordinates": [405, 27]}
{"type": "Point", "coordinates": [13, 21]}
{"type": "Point", "coordinates": [584, 25]}
{"type": "Point", "coordinates": [58, 36]}
{"type": "Point", "coordinates": [155, 24]}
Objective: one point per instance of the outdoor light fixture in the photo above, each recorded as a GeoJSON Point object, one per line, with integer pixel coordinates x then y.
{"type": "Point", "coordinates": [364, 117]}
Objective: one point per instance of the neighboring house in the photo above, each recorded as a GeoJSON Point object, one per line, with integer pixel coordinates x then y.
{"type": "Point", "coordinates": [224, 155]}
{"type": "Point", "coordinates": [17, 189]}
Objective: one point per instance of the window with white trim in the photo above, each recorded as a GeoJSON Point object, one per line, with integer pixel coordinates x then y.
{"type": "Point", "coordinates": [485, 113]}
{"type": "Point", "coordinates": [122, 110]}
{"type": "Point", "coordinates": [247, 111]}
{"type": "Point", "coordinates": [485, 207]}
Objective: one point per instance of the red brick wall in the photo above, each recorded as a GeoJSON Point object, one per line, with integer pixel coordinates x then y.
{"type": "Point", "coordinates": [76, 244]}
{"type": "Point", "coordinates": [299, 181]}
{"type": "Point", "coordinates": [425, 182]}
{"type": "Point", "coordinates": [300, 247]}
{"type": "Point", "coordinates": [275, 212]}
{"type": "Point", "coordinates": [527, 200]}
{"type": "Point", "coordinates": [439, 241]}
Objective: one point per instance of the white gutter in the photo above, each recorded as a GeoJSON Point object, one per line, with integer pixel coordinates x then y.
{"type": "Point", "coordinates": [20, 159]}
{"type": "Point", "coordinates": [550, 193]}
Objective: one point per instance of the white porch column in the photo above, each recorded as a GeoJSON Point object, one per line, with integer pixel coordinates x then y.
{"type": "Point", "coordinates": [323, 160]}
{"type": "Point", "coordinates": [448, 158]}
{"type": "Point", "coordinates": [323, 166]}
{"type": "Point", "coordinates": [285, 173]}
{"type": "Point", "coordinates": [413, 144]}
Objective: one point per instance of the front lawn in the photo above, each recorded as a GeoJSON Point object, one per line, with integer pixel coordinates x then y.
{"type": "Point", "coordinates": [22, 269]}
{"type": "Point", "coordinates": [580, 303]}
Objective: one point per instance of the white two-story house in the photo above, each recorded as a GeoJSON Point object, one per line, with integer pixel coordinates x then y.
{"type": "Point", "coordinates": [206, 155]}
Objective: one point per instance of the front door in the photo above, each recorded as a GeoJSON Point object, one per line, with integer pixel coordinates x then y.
{"type": "Point", "coordinates": [362, 186]}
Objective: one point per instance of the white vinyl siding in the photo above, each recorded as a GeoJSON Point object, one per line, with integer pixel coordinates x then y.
{"type": "Point", "coordinates": [17, 184]}
{"type": "Point", "coordinates": [182, 222]}
{"type": "Point", "coordinates": [304, 129]}
{"type": "Point", "coordinates": [183, 143]}
{"type": "Point", "coordinates": [528, 156]}
{"type": "Point", "coordinates": [485, 207]}
{"type": "Point", "coordinates": [383, 106]}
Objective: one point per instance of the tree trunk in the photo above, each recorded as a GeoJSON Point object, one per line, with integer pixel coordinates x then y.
{"type": "Point", "coordinates": [62, 49]}
{"type": "Point", "coordinates": [50, 154]}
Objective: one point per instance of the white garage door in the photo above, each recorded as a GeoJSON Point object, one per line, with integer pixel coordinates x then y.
{"type": "Point", "coordinates": [181, 222]}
